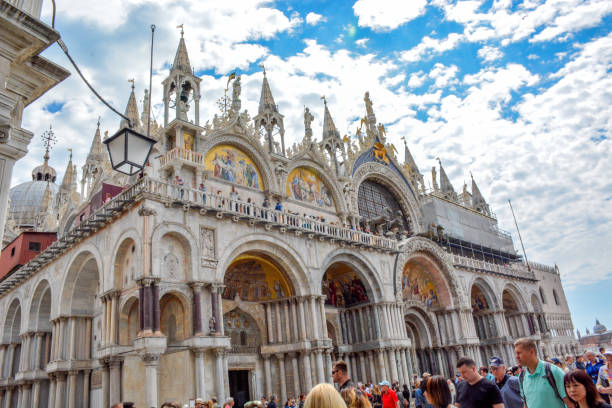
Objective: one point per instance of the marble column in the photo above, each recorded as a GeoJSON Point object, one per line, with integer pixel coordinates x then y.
{"type": "Point", "coordinates": [59, 390]}
{"type": "Point", "coordinates": [295, 324]}
{"type": "Point", "coordinates": [39, 351]}
{"type": "Point", "coordinates": [376, 320]}
{"type": "Point", "coordinates": [35, 394]}
{"type": "Point", "coordinates": [155, 308]}
{"type": "Point", "coordinates": [105, 385]}
{"type": "Point", "coordinates": [405, 370]}
{"type": "Point", "coordinates": [288, 334]}
{"type": "Point", "coordinates": [72, 377]}
{"type": "Point", "coordinates": [150, 362]}
{"type": "Point", "coordinates": [362, 367]}
{"type": "Point", "coordinates": [269, 326]}
{"type": "Point", "coordinates": [280, 358]}
{"type": "Point", "coordinates": [392, 364]}
{"type": "Point", "coordinates": [219, 374]}
{"type": "Point", "coordinates": [2, 355]}
{"type": "Point", "coordinates": [196, 287]}
{"type": "Point", "coordinates": [328, 359]}
{"type": "Point", "coordinates": [307, 372]}
{"type": "Point", "coordinates": [373, 376]}
{"type": "Point", "coordinates": [267, 375]}
{"type": "Point", "coordinates": [86, 386]}
{"type": "Point", "coordinates": [323, 317]}
{"type": "Point", "coordinates": [200, 377]}
{"type": "Point", "coordinates": [73, 341]}
{"type": "Point", "coordinates": [51, 401]}
{"type": "Point", "coordinates": [296, 374]}
{"type": "Point", "coordinates": [382, 374]}
{"type": "Point", "coordinates": [279, 328]}
{"type": "Point", "coordinates": [302, 316]}
{"type": "Point", "coordinates": [115, 380]}
{"type": "Point", "coordinates": [320, 369]}
{"type": "Point", "coordinates": [315, 317]}
{"type": "Point", "coordinates": [9, 397]}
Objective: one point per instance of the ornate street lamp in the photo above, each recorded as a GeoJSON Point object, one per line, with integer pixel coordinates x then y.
{"type": "Point", "coordinates": [129, 150]}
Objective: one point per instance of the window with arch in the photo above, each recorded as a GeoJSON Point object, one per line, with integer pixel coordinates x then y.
{"type": "Point", "coordinates": [556, 297]}
{"type": "Point", "coordinates": [374, 199]}
{"type": "Point", "coordinates": [542, 297]}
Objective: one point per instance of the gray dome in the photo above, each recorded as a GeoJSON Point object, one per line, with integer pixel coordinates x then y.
{"type": "Point", "coordinates": [599, 328]}
{"type": "Point", "coordinates": [26, 200]}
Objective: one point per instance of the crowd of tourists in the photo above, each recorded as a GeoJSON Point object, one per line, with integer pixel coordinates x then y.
{"type": "Point", "coordinates": [581, 382]}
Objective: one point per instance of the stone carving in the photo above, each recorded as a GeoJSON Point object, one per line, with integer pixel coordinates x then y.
{"type": "Point", "coordinates": [308, 118]}
{"type": "Point", "coordinates": [171, 265]}
{"type": "Point", "coordinates": [207, 242]}
{"type": "Point", "coordinates": [236, 103]}
{"type": "Point", "coordinates": [212, 322]}
{"type": "Point", "coordinates": [146, 211]}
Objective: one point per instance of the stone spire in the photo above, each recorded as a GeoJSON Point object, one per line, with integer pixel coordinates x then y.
{"type": "Point", "coordinates": [96, 162]}
{"type": "Point", "coordinates": [270, 118]}
{"type": "Point", "coordinates": [266, 100]}
{"type": "Point", "coordinates": [131, 111]}
{"type": "Point", "coordinates": [69, 175]}
{"type": "Point", "coordinates": [411, 167]}
{"type": "Point", "coordinates": [332, 142]}
{"type": "Point", "coordinates": [446, 188]}
{"type": "Point", "coordinates": [181, 59]}
{"type": "Point", "coordinates": [478, 201]}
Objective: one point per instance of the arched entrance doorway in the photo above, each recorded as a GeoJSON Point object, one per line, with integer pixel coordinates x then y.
{"type": "Point", "coordinates": [483, 314]}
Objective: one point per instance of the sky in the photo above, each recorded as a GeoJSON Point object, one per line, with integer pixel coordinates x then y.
{"type": "Point", "coordinates": [517, 93]}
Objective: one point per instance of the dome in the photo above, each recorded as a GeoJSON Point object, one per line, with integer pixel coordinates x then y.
{"type": "Point", "coordinates": [44, 172]}
{"type": "Point", "coordinates": [599, 328]}
{"type": "Point", "coordinates": [27, 200]}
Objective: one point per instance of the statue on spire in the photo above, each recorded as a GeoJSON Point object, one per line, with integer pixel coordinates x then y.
{"type": "Point", "coordinates": [308, 118]}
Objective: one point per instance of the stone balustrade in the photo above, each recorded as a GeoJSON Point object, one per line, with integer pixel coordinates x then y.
{"type": "Point", "coordinates": [517, 270]}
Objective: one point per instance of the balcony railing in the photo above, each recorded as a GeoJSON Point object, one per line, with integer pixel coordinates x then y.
{"type": "Point", "coordinates": [518, 270]}
{"type": "Point", "coordinates": [183, 155]}
{"type": "Point", "coordinates": [267, 215]}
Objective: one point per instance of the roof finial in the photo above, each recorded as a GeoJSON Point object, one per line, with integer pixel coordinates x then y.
{"type": "Point", "coordinates": [324, 100]}
{"type": "Point", "coordinates": [49, 140]}
{"type": "Point", "coordinates": [99, 117]}
{"type": "Point", "coordinates": [70, 150]}
{"type": "Point", "coordinates": [439, 161]}
{"type": "Point", "coordinates": [132, 81]}
{"type": "Point", "coordinates": [264, 68]}
{"type": "Point", "coordinates": [181, 27]}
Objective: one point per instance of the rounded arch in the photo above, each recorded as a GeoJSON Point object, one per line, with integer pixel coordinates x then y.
{"type": "Point", "coordinates": [361, 265]}
{"type": "Point", "coordinates": [245, 333]}
{"type": "Point", "coordinates": [338, 199]}
{"type": "Point", "coordinates": [126, 258]}
{"type": "Point", "coordinates": [427, 251]}
{"type": "Point", "coordinates": [488, 301]}
{"type": "Point", "coordinates": [285, 257]}
{"type": "Point", "coordinates": [510, 289]}
{"type": "Point", "coordinates": [255, 277]}
{"type": "Point", "coordinates": [175, 316]}
{"type": "Point", "coordinates": [12, 323]}
{"type": "Point", "coordinates": [40, 308]}
{"type": "Point", "coordinates": [389, 179]}
{"type": "Point", "coordinates": [188, 242]}
{"type": "Point", "coordinates": [81, 285]}
{"type": "Point", "coordinates": [129, 321]}
{"type": "Point", "coordinates": [254, 152]}
{"type": "Point", "coordinates": [421, 324]}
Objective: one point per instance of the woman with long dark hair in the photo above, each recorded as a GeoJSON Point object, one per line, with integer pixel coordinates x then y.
{"type": "Point", "coordinates": [581, 390]}
{"type": "Point", "coordinates": [437, 392]}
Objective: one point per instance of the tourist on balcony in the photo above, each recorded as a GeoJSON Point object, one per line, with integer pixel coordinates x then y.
{"type": "Point", "coordinates": [248, 206]}
{"type": "Point", "coordinates": [202, 189]}
{"type": "Point", "coordinates": [233, 198]}
{"type": "Point", "coordinates": [220, 200]}
{"type": "Point", "coordinates": [179, 183]}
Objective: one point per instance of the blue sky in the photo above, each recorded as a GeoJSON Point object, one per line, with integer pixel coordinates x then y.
{"type": "Point", "coordinates": [516, 92]}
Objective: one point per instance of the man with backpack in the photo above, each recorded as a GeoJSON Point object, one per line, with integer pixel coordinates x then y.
{"type": "Point", "coordinates": [541, 383]}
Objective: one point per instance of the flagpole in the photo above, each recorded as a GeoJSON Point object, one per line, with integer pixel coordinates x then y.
{"type": "Point", "coordinates": [519, 234]}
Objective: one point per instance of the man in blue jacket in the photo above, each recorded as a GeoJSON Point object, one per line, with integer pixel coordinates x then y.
{"type": "Point", "coordinates": [508, 385]}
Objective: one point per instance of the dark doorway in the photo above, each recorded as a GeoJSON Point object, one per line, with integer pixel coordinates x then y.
{"type": "Point", "coordinates": [239, 387]}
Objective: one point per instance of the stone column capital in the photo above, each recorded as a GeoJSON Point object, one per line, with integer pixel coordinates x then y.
{"type": "Point", "coordinates": [196, 284]}
{"type": "Point", "coordinates": [279, 356]}
{"type": "Point", "coordinates": [150, 359]}
{"type": "Point", "coordinates": [300, 299]}
{"type": "Point", "coordinates": [219, 352]}
{"type": "Point", "coordinates": [73, 373]}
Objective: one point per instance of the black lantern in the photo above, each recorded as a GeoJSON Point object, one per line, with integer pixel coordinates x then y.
{"type": "Point", "coordinates": [129, 150]}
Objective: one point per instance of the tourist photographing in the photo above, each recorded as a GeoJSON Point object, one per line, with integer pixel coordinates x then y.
{"type": "Point", "coordinates": [476, 391]}
{"type": "Point", "coordinates": [541, 383]}
{"type": "Point", "coordinates": [581, 391]}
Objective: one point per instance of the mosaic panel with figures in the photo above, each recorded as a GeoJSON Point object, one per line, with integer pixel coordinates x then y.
{"type": "Point", "coordinates": [418, 285]}
{"type": "Point", "coordinates": [343, 287]}
{"type": "Point", "coordinates": [231, 164]}
{"type": "Point", "coordinates": [305, 185]}
{"type": "Point", "coordinates": [255, 279]}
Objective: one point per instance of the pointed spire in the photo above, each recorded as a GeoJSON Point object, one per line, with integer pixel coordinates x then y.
{"type": "Point", "coordinates": [408, 159]}
{"type": "Point", "coordinates": [131, 111]}
{"type": "Point", "coordinates": [445, 185]}
{"type": "Point", "coordinates": [69, 174]}
{"type": "Point", "coordinates": [478, 201]}
{"type": "Point", "coordinates": [181, 59]}
{"type": "Point", "coordinates": [266, 100]}
{"type": "Point", "coordinates": [329, 128]}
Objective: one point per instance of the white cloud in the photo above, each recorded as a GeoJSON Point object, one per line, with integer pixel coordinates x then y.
{"type": "Point", "coordinates": [384, 15]}
{"type": "Point", "coordinates": [313, 18]}
{"type": "Point", "coordinates": [489, 53]}
{"type": "Point", "coordinates": [417, 79]}
{"type": "Point", "coordinates": [443, 75]}
{"type": "Point", "coordinates": [430, 46]}
{"type": "Point", "coordinates": [362, 42]}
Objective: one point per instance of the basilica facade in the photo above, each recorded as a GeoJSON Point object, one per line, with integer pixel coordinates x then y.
{"type": "Point", "coordinates": [237, 265]}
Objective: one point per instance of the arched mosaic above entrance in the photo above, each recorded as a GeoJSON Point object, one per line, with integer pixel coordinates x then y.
{"type": "Point", "coordinates": [253, 279]}
{"type": "Point", "coordinates": [305, 185]}
{"type": "Point", "coordinates": [232, 164]}
{"type": "Point", "coordinates": [418, 285]}
{"type": "Point", "coordinates": [478, 300]}
{"type": "Point", "coordinates": [343, 287]}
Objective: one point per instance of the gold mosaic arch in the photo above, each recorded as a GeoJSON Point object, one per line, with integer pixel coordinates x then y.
{"type": "Point", "coordinates": [229, 163]}
{"type": "Point", "coordinates": [254, 278]}
{"type": "Point", "coordinates": [304, 184]}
